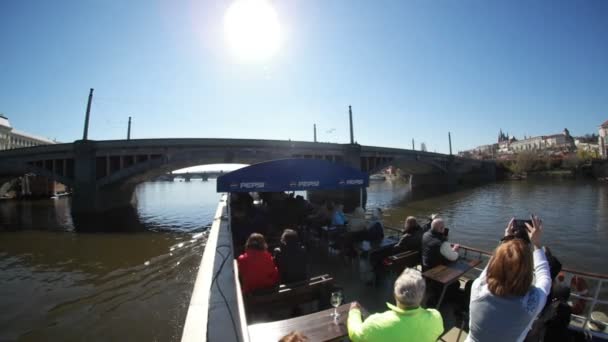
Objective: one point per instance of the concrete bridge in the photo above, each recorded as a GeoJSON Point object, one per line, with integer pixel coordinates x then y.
{"type": "Point", "coordinates": [103, 174]}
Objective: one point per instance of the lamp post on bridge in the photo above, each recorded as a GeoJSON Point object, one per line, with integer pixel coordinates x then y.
{"type": "Point", "coordinates": [129, 130]}
{"type": "Point", "coordinates": [350, 117]}
{"type": "Point", "coordinates": [450, 140]}
{"type": "Point", "coordinates": [85, 134]}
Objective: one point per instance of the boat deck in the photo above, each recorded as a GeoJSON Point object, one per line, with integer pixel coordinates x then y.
{"type": "Point", "coordinates": [354, 277]}
{"type": "Point", "coordinates": [217, 311]}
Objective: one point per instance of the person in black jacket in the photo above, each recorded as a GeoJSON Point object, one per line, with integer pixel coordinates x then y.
{"type": "Point", "coordinates": [436, 249]}
{"type": "Point", "coordinates": [411, 240]}
{"type": "Point", "coordinates": [290, 258]}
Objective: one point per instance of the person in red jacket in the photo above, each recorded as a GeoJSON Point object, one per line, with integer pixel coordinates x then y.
{"type": "Point", "coordinates": [256, 266]}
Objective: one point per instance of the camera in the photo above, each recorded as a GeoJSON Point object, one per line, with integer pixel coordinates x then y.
{"type": "Point", "coordinates": [446, 231]}
{"type": "Point", "coordinates": [520, 230]}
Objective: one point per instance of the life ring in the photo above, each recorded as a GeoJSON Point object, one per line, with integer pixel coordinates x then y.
{"type": "Point", "coordinates": [578, 285]}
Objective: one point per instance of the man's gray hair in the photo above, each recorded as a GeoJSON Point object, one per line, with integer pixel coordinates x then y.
{"type": "Point", "coordinates": [438, 222]}
{"type": "Point", "coordinates": [409, 288]}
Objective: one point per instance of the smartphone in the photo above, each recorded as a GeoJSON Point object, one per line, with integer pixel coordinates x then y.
{"type": "Point", "coordinates": [520, 230]}
{"type": "Point", "coordinates": [521, 224]}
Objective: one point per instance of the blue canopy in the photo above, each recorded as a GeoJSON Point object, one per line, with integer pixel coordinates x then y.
{"type": "Point", "coordinates": [292, 175]}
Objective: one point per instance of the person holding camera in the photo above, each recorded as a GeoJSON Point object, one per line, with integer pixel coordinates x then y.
{"type": "Point", "coordinates": [436, 249]}
{"type": "Point", "coordinates": [512, 289]}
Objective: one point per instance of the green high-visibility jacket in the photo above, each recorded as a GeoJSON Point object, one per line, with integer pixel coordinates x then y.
{"type": "Point", "coordinates": [396, 324]}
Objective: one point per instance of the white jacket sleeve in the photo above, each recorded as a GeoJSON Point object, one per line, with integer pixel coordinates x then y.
{"type": "Point", "coordinates": [447, 252]}
{"type": "Point", "coordinates": [542, 273]}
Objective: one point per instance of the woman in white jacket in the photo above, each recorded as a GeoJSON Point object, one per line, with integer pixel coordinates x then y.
{"type": "Point", "coordinates": [512, 290]}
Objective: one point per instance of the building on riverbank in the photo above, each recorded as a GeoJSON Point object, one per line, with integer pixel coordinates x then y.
{"type": "Point", "coordinates": [28, 185]}
{"type": "Point", "coordinates": [11, 138]}
{"type": "Point", "coordinates": [508, 146]}
{"type": "Point", "coordinates": [603, 140]}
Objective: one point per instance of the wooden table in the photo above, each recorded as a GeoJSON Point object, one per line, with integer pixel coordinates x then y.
{"type": "Point", "coordinates": [318, 326]}
{"type": "Point", "coordinates": [447, 274]}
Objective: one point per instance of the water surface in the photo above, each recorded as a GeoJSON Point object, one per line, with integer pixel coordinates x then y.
{"type": "Point", "coordinates": [59, 284]}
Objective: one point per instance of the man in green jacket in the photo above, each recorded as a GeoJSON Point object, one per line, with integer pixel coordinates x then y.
{"type": "Point", "coordinates": [406, 321]}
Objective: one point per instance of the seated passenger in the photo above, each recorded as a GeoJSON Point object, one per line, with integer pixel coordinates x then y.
{"type": "Point", "coordinates": [375, 230]}
{"type": "Point", "coordinates": [411, 240]}
{"type": "Point", "coordinates": [436, 250]}
{"type": "Point", "coordinates": [406, 321]}
{"type": "Point", "coordinates": [512, 290]}
{"type": "Point", "coordinates": [291, 258]}
{"type": "Point", "coordinates": [321, 216]}
{"type": "Point", "coordinates": [357, 223]}
{"type": "Point", "coordinates": [338, 218]}
{"type": "Point", "coordinates": [256, 267]}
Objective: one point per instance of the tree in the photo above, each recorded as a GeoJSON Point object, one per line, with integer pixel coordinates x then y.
{"type": "Point", "coordinates": [524, 162]}
{"type": "Point", "coordinates": [571, 161]}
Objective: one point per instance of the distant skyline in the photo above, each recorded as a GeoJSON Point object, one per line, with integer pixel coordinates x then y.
{"type": "Point", "coordinates": [410, 69]}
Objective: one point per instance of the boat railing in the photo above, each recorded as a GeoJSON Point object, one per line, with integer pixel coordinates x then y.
{"type": "Point", "coordinates": [589, 297]}
{"type": "Point", "coordinates": [578, 322]}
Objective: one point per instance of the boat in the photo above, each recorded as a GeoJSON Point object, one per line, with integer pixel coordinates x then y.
{"type": "Point", "coordinates": [218, 311]}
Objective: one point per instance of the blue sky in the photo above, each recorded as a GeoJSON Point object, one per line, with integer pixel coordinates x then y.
{"type": "Point", "coordinates": [410, 69]}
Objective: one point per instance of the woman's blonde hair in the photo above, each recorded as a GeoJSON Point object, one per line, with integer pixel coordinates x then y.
{"type": "Point", "coordinates": [510, 271]}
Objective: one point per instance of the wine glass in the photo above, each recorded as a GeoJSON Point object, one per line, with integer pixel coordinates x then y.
{"type": "Point", "coordinates": [336, 300]}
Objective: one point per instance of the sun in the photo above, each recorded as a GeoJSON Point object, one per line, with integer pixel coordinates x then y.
{"type": "Point", "coordinates": [252, 29]}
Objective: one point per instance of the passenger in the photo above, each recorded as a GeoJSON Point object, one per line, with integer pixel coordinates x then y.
{"type": "Point", "coordinates": [411, 240]}
{"type": "Point", "coordinates": [375, 230]}
{"type": "Point", "coordinates": [405, 321]}
{"type": "Point", "coordinates": [436, 250]}
{"type": "Point", "coordinates": [504, 299]}
{"type": "Point", "coordinates": [290, 258]}
{"type": "Point", "coordinates": [338, 218]}
{"type": "Point", "coordinates": [256, 267]}
{"type": "Point", "coordinates": [321, 215]}
{"type": "Point", "coordinates": [357, 223]}
{"type": "Point", "coordinates": [553, 321]}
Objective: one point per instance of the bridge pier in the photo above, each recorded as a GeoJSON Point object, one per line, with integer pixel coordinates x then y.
{"type": "Point", "coordinates": [432, 180]}
{"type": "Point", "coordinates": [89, 199]}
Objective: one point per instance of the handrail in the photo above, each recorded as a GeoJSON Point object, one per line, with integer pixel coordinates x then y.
{"type": "Point", "coordinates": [586, 274]}
{"type": "Point", "coordinates": [564, 269]}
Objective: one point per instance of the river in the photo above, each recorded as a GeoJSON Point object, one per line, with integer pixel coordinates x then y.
{"type": "Point", "coordinates": [59, 284]}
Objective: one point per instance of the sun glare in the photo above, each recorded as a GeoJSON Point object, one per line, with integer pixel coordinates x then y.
{"type": "Point", "coordinates": [252, 29]}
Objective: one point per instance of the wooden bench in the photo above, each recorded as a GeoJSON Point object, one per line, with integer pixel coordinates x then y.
{"type": "Point", "coordinates": [291, 295]}
{"type": "Point", "coordinates": [398, 262]}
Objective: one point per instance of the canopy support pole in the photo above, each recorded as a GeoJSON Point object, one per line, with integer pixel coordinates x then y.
{"type": "Point", "coordinates": [361, 197]}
